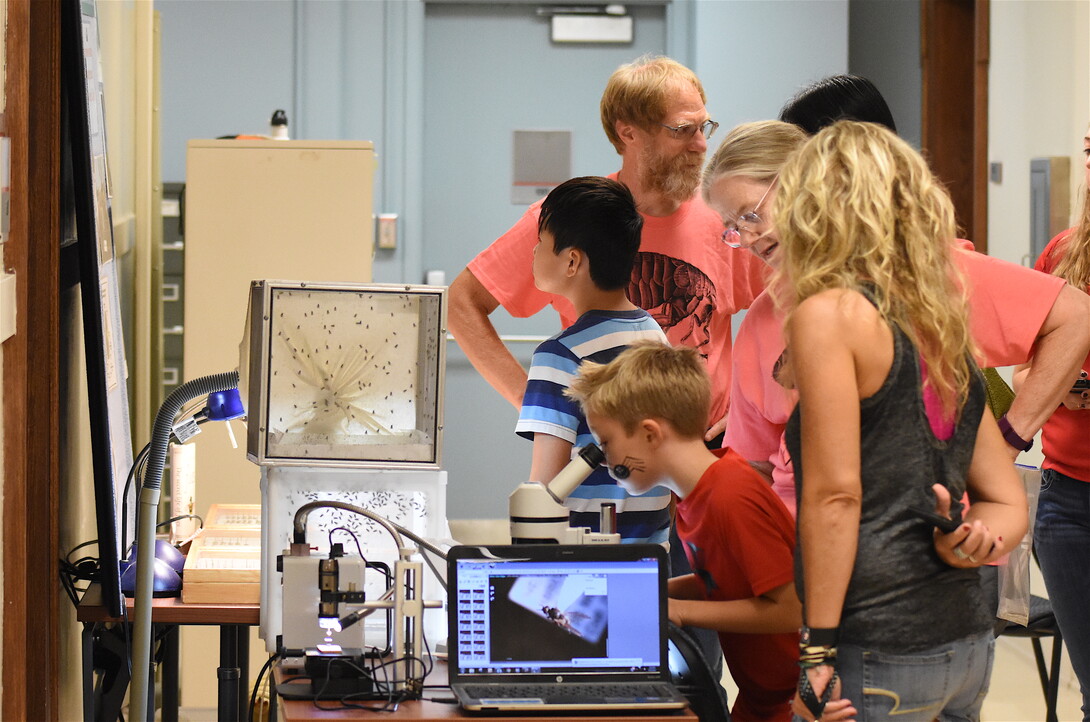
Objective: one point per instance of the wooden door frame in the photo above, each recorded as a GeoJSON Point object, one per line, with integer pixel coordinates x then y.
{"type": "Point", "coordinates": [955, 105]}
{"type": "Point", "coordinates": [31, 364]}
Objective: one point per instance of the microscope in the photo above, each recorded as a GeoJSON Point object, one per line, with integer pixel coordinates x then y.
{"type": "Point", "coordinates": [330, 591]}
{"type": "Point", "coordinates": [538, 515]}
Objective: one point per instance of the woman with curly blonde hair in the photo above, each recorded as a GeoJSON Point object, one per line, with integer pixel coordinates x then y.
{"type": "Point", "coordinates": [891, 419]}
{"type": "Point", "coordinates": [1062, 531]}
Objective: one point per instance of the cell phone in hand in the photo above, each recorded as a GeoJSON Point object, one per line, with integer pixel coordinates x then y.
{"type": "Point", "coordinates": [945, 525]}
{"type": "Point", "coordinates": [1081, 385]}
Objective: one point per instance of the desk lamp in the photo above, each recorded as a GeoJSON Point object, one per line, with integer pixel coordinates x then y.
{"type": "Point", "coordinates": [220, 407]}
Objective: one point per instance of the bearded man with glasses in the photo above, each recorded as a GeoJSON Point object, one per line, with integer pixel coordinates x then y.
{"type": "Point", "coordinates": [653, 113]}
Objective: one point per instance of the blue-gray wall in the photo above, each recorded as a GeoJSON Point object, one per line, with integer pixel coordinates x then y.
{"type": "Point", "coordinates": [356, 69]}
{"type": "Point", "coordinates": [884, 46]}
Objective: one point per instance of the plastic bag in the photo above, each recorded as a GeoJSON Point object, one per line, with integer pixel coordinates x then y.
{"type": "Point", "coordinates": [1014, 575]}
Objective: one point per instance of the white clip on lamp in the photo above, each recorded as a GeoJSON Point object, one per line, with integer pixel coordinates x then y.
{"type": "Point", "coordinates": [146, 512]}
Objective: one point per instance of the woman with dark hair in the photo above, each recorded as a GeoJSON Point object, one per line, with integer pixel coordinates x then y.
{"type": "Point", "coordinates": [837, 97]}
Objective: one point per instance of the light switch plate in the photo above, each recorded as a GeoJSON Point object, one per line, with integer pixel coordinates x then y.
{"type": "Point", "coordinates": [387, 230]}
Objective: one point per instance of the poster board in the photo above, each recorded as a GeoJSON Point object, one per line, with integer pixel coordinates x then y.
{"type": "Point", "coordinates": [108, 405]}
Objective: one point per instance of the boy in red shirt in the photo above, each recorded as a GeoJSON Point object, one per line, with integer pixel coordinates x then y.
{"type": "Point", "coordinates": [648, 409]}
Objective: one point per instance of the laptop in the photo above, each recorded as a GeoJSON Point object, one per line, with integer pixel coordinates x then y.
{"type": "Point", "coordinates": [544, 628]}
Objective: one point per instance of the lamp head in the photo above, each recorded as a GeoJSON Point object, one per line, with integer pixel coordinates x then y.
{"type": "Point", "coordinates": [224, 405]}
{"type": "Point", "coordinates": [166, 582]}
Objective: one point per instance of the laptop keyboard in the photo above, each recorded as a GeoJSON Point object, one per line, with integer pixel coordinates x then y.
{"type": "Point", "coordinates": [572, 691]}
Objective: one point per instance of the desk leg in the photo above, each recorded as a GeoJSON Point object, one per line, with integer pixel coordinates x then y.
{"type": "Point", "coordinates": [243, 641]}
{"type": "Point", "coordinates": [87, 648]}
{"type": "Point", "coordinates": [228, 674]}
{"type": "Point", "coordinates": [170, 675]}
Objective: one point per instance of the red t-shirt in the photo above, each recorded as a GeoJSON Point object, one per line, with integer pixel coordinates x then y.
{"type": "Point", "coordinates": [1065, 437]}
{"type": "Point", "coordinates": [740, 540]}
{"type": "Point", "coordinates": [684, 276]}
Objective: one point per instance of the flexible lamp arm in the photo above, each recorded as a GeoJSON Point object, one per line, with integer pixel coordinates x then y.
{"type": "Point", "coordinates": [146, 512]}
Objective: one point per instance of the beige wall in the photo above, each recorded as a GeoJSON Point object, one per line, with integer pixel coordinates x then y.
{"type": "Point", "coordinates": [77, 514]}
{"type": "Point", "coordinates": [1039, 105]}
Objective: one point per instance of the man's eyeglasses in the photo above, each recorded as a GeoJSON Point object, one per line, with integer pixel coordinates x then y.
{"type": "Point", "coordinates": [687, 130]}
{"type": "Point", "coordinates": [732, 235]}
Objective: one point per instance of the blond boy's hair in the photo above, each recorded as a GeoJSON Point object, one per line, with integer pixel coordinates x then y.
{"type": "Point", "coordinates": [648, 380]}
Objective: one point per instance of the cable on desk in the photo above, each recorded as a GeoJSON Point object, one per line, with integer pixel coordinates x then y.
{"type": "Point", "coordinates": [350, 533]}
{"type": "Point", "coordinates": [257, 685]}
{"type": "Point", "coordinates": [85, 569]}
{"type": "Point", "coordinates": [136, 471]}
{"type": "Point", "coordinates": [390, 705]}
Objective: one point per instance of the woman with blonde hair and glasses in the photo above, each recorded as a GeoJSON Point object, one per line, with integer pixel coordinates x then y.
{"type": "Point", "coordinates": [1062, 532]}
{"type": "Point", "coordinates": [891, 419]}
{"type": "Point", "coordinates": [740, 184]}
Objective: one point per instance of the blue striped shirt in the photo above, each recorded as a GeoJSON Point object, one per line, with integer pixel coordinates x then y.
{"type": "Point", "coordinates": [596, 336]}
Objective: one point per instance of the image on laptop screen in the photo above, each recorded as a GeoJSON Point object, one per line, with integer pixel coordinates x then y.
{"type": "Point", "coordinates": [526, 617]}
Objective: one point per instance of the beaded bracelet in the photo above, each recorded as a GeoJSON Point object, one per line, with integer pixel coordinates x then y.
{"type": "Point", "coordinates": [815, 656]}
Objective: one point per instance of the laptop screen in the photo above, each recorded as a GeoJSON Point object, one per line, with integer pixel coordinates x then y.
{"type": "Point", "coordinates": [558, 609]}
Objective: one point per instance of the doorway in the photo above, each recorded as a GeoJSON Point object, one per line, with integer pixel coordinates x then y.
{"type": "Point", "coordinates": [491, 69]}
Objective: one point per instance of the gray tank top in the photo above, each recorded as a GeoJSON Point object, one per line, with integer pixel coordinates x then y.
{"type": "Point", "coordinates": [902, 598]}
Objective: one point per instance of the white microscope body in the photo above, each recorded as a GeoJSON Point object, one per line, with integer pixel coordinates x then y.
{"type": "Point", "coordinates": [538, 514]}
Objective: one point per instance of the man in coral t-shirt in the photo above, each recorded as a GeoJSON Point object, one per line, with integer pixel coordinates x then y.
{"type": "Point", "coordinates": [685, 277]}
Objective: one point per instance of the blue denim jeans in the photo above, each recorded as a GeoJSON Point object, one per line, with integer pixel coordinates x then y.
{"type": "Point", "coordinates": [945, 683]}
{"type": "Point", "coordinates": [1062, 539]}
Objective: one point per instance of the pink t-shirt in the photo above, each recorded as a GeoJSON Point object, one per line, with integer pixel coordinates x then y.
{"type": "Point", "coordinates": [1065, 435]}
{"type": "Point", "coordinates": [684, 276]}
{"type": "Point", "coordinates": [1008, 304]}
{"type": "Point", "coordinates": [760, 406]}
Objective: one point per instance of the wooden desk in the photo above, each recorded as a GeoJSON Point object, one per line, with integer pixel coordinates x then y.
{"type": "Point", "coordinates": [427, 711]}
{"type": "Point", "coordinates": [232, 619]}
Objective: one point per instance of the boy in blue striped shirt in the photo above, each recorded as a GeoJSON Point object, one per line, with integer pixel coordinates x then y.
{"type": "Point", "coordinates": [588, 237]}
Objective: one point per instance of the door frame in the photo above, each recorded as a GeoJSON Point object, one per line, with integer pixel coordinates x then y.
{"type": "Point", "coordinates": [955, 105]}
{"type": "Point", "coordinates": [31, 370]}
